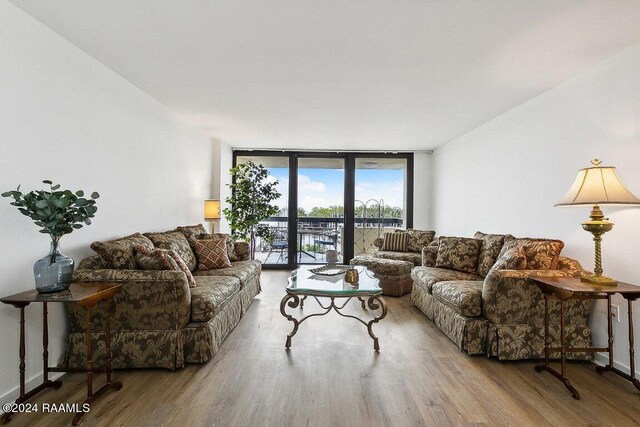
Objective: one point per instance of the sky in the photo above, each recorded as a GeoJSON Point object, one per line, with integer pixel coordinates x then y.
{"type": "Point", "coordinates": [325, 187]}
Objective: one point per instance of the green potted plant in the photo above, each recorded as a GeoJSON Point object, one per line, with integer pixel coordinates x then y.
{"type": "Point", "coordinates": [251, 202]}
{"type": "Point", "coordinates": [57, 212]}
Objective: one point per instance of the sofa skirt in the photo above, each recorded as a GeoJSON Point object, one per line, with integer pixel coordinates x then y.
{"type": "Point", "coordinates": [203, 339]}
{"type": "Point", "coordinates": [468, 333]}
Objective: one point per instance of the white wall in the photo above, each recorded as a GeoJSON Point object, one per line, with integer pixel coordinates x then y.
{"type": "Point", "coordinates": [506, 175]}
{"type": "Point", "coordinates": [66, 117]}
{"type": "Point", "coordinates": [223, 161]}
{"type": "Point", "coordinates": [422, 187]}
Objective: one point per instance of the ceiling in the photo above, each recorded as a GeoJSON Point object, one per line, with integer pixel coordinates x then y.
{"type": "Point", "coordinates": [343, 74]}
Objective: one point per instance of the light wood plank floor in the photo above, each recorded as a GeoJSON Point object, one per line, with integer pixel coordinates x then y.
{"type": "Point", "coordinates": [332, 377]}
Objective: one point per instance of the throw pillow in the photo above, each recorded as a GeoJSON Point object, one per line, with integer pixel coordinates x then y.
{"type": "Point", "coordinates": [182, 266]}
{"type": "Point", "coordinates": [490, 250]}
{"type": "Point", "coordinates": [458, 253]}
{"type": "Point", "coordinates": [510, 258]}
{"type": "Point", "coordinates": [174, 240]}
{"type": "Point", "coordinates": [119, 253]}
{"type": "Point", "coordinates": [191, 230]}
{"type": "Point", "coordinates": [418, 239]}
{"type": "Point", "coordinates": [231, 252]}
{"type": "Point", "coordinates": [211, 253]}
{"type": "Point", "coordinates": [395, 242]}
{"type": "Point", "coordinates": [154, 259]}
{"type": "Point", "coordinates": [542, 254]}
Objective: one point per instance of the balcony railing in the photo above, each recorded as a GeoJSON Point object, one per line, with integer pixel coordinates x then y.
{"type": "Point", "coordinates": [316, 235]}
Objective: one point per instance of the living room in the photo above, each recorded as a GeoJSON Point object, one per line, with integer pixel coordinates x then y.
{"type": "Point", "coordinates": [484, 111]}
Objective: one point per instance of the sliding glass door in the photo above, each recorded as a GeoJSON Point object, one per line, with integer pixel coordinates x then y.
{"type": "Point", "coordinates": [332, 205]}
{"type": "Point", "coordinates": [380, 201]}
{"type": "Point", "coordinates": [276, 250]}
{"type": "Point", "coordinates": [320, 209]}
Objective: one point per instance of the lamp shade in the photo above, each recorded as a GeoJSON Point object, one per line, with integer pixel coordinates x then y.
{"type": "Point", "coordinates": [598, 185]}
{"type": "Point", "coordinates": [211, 210]}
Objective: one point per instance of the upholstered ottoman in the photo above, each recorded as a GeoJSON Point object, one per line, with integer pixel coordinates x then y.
{"type": "Point", "coordinates": [394, 276]}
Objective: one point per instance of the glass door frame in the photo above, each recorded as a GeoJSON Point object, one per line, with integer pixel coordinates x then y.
{"type": "Point", "coordinates": [349, 193]}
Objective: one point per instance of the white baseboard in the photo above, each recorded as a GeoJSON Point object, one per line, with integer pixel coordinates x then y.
{"type": "Point", "coordinates": [34, 381]}
{"type": "Point", "coordinates": [602, 359]}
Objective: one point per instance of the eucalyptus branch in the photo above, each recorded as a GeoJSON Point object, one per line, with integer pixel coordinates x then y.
{"type": "Point", "coordinates": [57, 212]}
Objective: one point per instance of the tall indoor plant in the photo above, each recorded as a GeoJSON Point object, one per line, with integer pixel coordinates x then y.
{"type": "Point", "coordinates": [57, 212]}
{"type": "Point", "coordinates": [251, 202]}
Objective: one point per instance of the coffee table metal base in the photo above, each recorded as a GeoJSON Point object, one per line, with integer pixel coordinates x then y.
{"type": "Point", "coordinates": [373, 303]}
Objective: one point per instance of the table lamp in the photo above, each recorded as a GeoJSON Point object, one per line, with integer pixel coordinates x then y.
{"type": "Point", "coordinates": [594, 186]}
{"type": "Point", "coordinates": [212, 212]}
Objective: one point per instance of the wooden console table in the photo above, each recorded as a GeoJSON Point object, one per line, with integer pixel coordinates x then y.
{"type": "Point", "coordinates": [87, 295]}
{"type": "Point", "coordinates": [564, 288]}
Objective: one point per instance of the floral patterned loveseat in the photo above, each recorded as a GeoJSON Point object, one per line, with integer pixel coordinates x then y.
{"type": "Point", "coordinates": [158, 320]}
{"type": "Point", "coordinates": [415, 242]}
{"type": "Point", "coordinates": [489, 304]}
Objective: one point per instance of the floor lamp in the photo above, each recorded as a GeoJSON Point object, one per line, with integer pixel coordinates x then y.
{"type": "Point", "coordinates": [212, 212]}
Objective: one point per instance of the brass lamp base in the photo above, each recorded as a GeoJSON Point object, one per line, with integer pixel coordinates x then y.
{"type": "Point", "coordinates": [598, 226]}
{"type": "Point", "coordinates": [599, 280]}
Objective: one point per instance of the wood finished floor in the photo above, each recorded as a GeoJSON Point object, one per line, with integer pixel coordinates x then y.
{"type": "Point", "coordinates": [332, 377]}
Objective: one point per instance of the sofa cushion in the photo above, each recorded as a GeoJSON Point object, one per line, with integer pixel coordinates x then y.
{"type": "Point", "coordinates": [417, 239]}
{"type": "Point", "coordinates": [458, 253]}
{"type": "Point", "coordinates": [154, 259]}
{"type": "Point", "coordinates": [176, 241]}
{"type": "Point", "coordinates": [415, 258]}
{"type": "Point", "coordinates": [211, 253]}
{"type": "Point", "coordinates": [208, 298]}
{"type": "Point", "coordinates": [243, 270]}
{"type": "Point", "coordinates": [463, 296]}
{"type": "Point", "coordinates": [426, 277]}
{"type": "Point", "coordinates": [542, 254]}
{"type": "Point", "coordinates": [489, 251]}
{"type": "Point", "coordinates": [394, 242]}
{"type": "Point", "coordinates": [119, 253]}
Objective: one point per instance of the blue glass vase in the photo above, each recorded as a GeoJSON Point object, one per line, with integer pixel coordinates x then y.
{"type": "Point", "coordinates": [54, 272]}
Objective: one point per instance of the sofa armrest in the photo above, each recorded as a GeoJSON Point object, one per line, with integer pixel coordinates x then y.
{"type": "Point", "coordinates": [429, 255]}
{"type": "Point", "coordinates": [148, 300]}
{"type": "Point", "coordinates": [510, 296]}
{"type": "Point", "coordinates": [377, 242]}
{"type": "Point", "coordinates": [242, 251]}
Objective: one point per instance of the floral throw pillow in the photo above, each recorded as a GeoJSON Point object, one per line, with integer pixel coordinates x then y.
{"type": "Point", "coordinates": [211, 253]}
{"type": "Point", "coordinates": [542, 254]}
{"type": "Point", "coordinates": [119, 253]}
{"type": "Point", "coordinates": [458, 253]}
{"type": "Point", "coordinates": [418, 239]}
{"type": "Point", "coordinates": [154, 259]}
{"type": "Point", "coordinates": [191, 230]}
{"type": "Point", "coordinates": [175, 240]}
{"type": "Point", "coordinates": [510, 258]}
{"type": "Point", "coordinates": [182, 266]}
{"type": "Point", "coordinates": [490, 250]}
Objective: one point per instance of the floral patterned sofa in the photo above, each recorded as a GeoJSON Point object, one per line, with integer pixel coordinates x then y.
{"type": "Point", "coordinates": [158, 320]}
{"type": "Point", "coordinates": [482, 297]}
{"type": "Point", "coordinates": [415, 242]}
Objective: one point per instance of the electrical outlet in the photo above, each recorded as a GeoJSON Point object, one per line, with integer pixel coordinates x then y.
{"type": "Point", "coordinates": [615, 312]}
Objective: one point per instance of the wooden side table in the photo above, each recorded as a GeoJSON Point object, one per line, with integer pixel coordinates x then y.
{"type": "Point", "coordinates": [84, 294]}
{"type": "Point", "coordinates": [564, 288]}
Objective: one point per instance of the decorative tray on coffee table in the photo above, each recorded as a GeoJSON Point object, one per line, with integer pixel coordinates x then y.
{"type": "Point", "coordinates": [328, 270]}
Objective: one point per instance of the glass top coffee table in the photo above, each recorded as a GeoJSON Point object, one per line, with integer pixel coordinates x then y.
{"type": "Point", "coordinates": [304, 283]}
